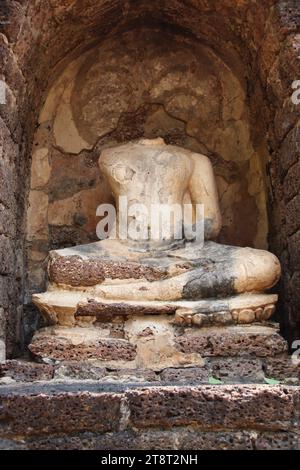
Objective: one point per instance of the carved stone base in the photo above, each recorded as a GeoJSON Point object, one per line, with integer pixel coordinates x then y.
{"type": "Point", "coordinates": [73, 307]}
{"type": "Point", "coordinates": [153, 343]}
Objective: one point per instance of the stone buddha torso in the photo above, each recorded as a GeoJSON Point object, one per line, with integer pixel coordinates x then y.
{"type": "Point", "coordinates": [151, 173]}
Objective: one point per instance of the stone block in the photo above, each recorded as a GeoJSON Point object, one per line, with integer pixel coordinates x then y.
{"type": "Point", "coordinates": [132, 375]}
{"type": "Point", "coordinates": [42, 414]}
{"type": "Point", "coordinates": [79, 371]}
{"type": "Point", "coordinates": [238, 370]}
{"type": "Point", "coordinates": [22, 371]}
{"type": "Point", "coordinates": [281, 368]}
{"type": "Point", "coordinates": [251, 340]}
{"type": "Point", "coordinates": [191, 375]}
{"type": "Point", "coordinates": [213, 407]}
{"type": "Point", "coordinates": [80, 344]}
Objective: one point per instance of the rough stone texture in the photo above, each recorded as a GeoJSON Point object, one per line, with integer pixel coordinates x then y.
{"type": "Point", "coordinates": [61, 348]}
{"type": "Point", "coordinates": [22, 371]}
{"type": "Point", "coordinates": [107, 312]}
{"type": "Point", "coordinates": [213, 408]}
{"type": "Point", "coordinates": [232, 341]}
{"type": "Point", "coordinates": [189, 375]}
{"type": "Point", "coordinates": [91, 371]}
{"type": "Point", "coordinates": [144, 343]}
{"type": "Point", "coordinates": [75, 271]}
{"type": "Point", "coordinates": [97, 416]}
{"type": "Point", "coordinates": [278, 441]}
{"type": "Point", "coordinates": [62, 413]}
{"type": "Point", "coordinates": [161, 440]}
{"type": "Point", "coordinates": [79, 371]}
{"type": "Point", "coordinates": [282, 369]}
{"type": "Point", "coordinates": [238, 370]}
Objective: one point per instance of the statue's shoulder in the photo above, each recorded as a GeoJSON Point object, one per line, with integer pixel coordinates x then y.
{"type": "Point", "coordinates": [201, 159]}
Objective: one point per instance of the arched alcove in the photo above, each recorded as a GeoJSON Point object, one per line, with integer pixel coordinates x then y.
{"type": "Point", "coordinates": [244, 56]}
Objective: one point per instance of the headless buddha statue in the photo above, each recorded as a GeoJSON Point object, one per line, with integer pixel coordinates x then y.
{"type": "Point", "coordinates": [153, 275]}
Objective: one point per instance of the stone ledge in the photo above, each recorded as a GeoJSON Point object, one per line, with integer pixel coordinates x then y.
{"type": "Point", "coordinates": [252, 340]}
{"type": "Point", "coordinates": [74, 407]}
{"type": "Point", "coordinates": [23, 371]}
{"type": "Point", "coordinates": [59, 348]}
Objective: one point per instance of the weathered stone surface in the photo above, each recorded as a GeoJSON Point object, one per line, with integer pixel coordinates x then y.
{"type": "Point", "coordinates": [191, 375]}
{"type": "Point", "coordinates": [132, 375]}
{"type": "Point", "coordinates": [22, 371]}
{"type": "Point", "coordinates": [107, 312]}
{"type": "Point", "coordinates": [249, 407]}
{"type": "Point", "coordinates": [126, 440]}
{"type": "Point", "coordinates": [293, 215]}
{"type": "Point", "coordinates": [6, 256]}
{"type": "Point", "coordinates": [29, 415]}
{"type": "Point", "coordinates": [79, 371]}
{"type": "Point", "coordinates": [160, 440]}
{"type": "Point", "coordinates": [290, 149]}
{"type": "Point", "coordinates": [76, 271]}
{"type": "Point", "coordinates": [37, 216]}
{"type": "Point", "coordinates": [282, 368]}
{"type": "Point", "coordinates": [216, 441]}
{"type": "Point", "coordinates": [40, 170]}
{"type": "Point", "coordinates": [278, 441]}
{"type": "Point", "coordinates": [89, 370]}
{"type": "Point", "coordinates": [232, 341]}
{"type": "Point", "coordinates": [79, 345]}
{"type": "Point", "coordinates": [238, 370]}
{"type": "Point", "coordinates": [294, 250]}
{"type": "Point", "coordinates": [69, 414]}
{"type": "Point", "coordinates": [292, 182]}
{"type": "Point", "coordinates": [2, 336]}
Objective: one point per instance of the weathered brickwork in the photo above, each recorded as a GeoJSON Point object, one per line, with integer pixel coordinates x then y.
{"type": "Point", "coordinates": [93, 416]}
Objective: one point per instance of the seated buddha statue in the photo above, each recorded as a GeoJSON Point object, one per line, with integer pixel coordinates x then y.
{"type": "Point", "coordinates": [144, 273]}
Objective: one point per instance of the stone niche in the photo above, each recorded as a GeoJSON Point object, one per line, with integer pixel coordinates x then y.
{"type": "Point", "coordinates": [143, 83]}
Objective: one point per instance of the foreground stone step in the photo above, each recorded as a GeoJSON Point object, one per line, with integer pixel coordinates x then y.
{"type": "Point", "coordinates": [106, 416]}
